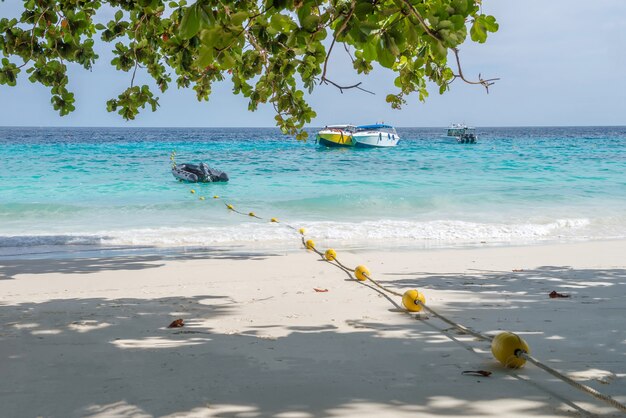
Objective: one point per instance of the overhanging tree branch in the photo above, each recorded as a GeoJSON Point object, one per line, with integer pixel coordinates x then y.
{"type": "Point", "coordinates": [270, 52]}
{"type": "Point", "coordinates": [342, 88]}
{"type": "Point", "coordinates": [325, 80]}
{"type": "Point", "coordinates": [483, 82]}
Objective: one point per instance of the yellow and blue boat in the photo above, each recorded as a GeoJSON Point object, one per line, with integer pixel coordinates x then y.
{"type": "Point", "coordinates": [370, 136]}
{"type": "Point", "coordinates": [336, 136]}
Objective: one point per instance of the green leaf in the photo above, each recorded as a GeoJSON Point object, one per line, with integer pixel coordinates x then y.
{"type": "Point", "coordinates": [190, 25]}
{"type": "Point", "coordinates": [490, 24]}
{"type": "Point", "coordinates": [367, 27]}
{"type": "Point", "coordinates": [310, 23]}
{"type": "Point", "coordinates": [390, 44]}
{"type": "Point", "coordinates": [205, 56]}
{"type": "Point", "coordinates": [370, 51]}
{"type": "Point", "coordinates": [385, 57]}
{"type": "Point", "coordinates": [238, 18]}
{"type": "Point", "coordinates": [439, 50]}
{"type": "Point", "coordinates": [227, 60]}
{"type": "Point", "coordinates": [483, 24]}
{"type": "Point", "coordinates": [363, 9]}
{"type": "Point", "coordinates": [477, 32]}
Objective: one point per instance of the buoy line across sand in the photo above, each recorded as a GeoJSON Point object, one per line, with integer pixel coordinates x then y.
{"type": "Point", "coordinates": [507, 347]}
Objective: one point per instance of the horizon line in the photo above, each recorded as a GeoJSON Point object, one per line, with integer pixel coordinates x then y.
{"type": "Point", "coordinates": [307, 127]}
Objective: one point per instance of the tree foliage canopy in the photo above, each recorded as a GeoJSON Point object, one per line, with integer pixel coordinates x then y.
{"type": "Point", "coordinates": [271, 50]}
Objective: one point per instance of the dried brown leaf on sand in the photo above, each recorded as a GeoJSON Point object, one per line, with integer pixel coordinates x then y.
{"type": "Point", "coordinates": [177, 323]}
{"type": "Point", "coordinates": [554, 294]}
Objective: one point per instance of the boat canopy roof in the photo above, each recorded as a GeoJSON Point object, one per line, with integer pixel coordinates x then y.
{"type": "Point", "coordinates": [339, 126]}
{"type": "Point", "coordinates": [460, 126]}
{"type": "Point", "coordinates": [376, 126]}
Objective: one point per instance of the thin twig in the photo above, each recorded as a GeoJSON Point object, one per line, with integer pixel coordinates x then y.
{"type": "Point", "coordinates": [325, 80]}
{"type": "Point", "coordinates": [337, 33]}
{"type": "Point", "coordinates": [32, 38]}
{"type": "Point", "coordinates": [345, 46]}
{"type": "Point", "coordinates": [56, 41]}
{"type": "Point", "coordinates": [132, 80]}
{"type": "Point", "coordinates": [244, 29]}
{"type": "Point", "coordinates": [421, 21]}
{"type": "Point", "coordinates": [342, 88]}
{"type": "Point", "coordinates": [483, 82]}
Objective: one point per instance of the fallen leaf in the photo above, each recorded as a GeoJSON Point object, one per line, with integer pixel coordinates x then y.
{"type": "Point", "coordinates": [177, 323]}
{"type": "Point", "coordinates": [554, 294]}
{"type": "Point", "coordinates": [320, 290]}
{"type": "Point", "coordinates": [484, 373]}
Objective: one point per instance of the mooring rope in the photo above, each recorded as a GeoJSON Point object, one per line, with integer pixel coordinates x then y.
{"type": "Point", "coordinates": [463, 328]}
{"type": "Point", "coordinates": [310, 245]}
{"type": "Point", "coordinates": [598, 395]}
{"type": "Point", "coordinates": [393, 292]}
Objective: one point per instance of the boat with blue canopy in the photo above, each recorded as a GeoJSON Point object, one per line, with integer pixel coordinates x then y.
{"type": "Point", "coordinates": [377, 135]}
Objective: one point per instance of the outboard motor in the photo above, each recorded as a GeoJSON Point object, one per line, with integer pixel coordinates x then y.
{"type": "Point", "coordinates": [210, 174]}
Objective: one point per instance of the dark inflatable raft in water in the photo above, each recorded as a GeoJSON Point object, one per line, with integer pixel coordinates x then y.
{"type": "Point", "coordinates": [198, 173]}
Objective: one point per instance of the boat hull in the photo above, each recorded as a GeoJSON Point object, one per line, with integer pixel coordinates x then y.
{"type": "Point", "coordinates": [376, 140]}
{"type": "Point", "coordinates": [335, 139]}
{"type": "Point", "coordinates": [183, 175]}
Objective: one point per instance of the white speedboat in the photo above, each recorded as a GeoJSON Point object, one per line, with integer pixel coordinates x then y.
{"type": "Point", "coordinates": [464, 134]}
{"type": "Point", "coordinates": [378, 135]}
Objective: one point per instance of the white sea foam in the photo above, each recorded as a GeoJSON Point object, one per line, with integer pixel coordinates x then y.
{"type": "Point", "coordinates": [370, 234]}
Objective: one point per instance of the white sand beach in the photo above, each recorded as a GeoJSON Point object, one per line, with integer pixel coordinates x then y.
{"type": "Point", "coordinates": [89, 336]}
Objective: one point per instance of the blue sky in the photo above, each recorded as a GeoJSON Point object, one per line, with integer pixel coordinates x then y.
{"type": "Point", "coordinates": [560, 63]}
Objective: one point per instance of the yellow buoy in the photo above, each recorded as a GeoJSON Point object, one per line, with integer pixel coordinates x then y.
{"type": "Point", "coordinates": [310, 244]}
{"type": "Point", "coordinates": [413, 300]}
{"type": "Point", "coordinates": [302, 231]}
{"type": "Point", "coordinates": [361, 273]}
{"type": "Point", "coordinates": [216, 197]}
{"type": "Point", "coordinates": [330, 254]}
{"type": "Point", "coordinates": [251, 214]}
{"type": "Point", "coordinates": [274, 220]}
{"type": "Point", "coordinates": [201, 197]}
{"type": "Point", "coordinates": [229, 206]}
{"type": "Point", "coordinates": [192, 191]}
{"type": "Point", "coordinates": [505, 347]}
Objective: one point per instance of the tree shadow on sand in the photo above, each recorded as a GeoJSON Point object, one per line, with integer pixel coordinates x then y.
{"type": "Point", "coordinates": [115, 357]}
{"type": "Point", "coordinates": [83, 265]}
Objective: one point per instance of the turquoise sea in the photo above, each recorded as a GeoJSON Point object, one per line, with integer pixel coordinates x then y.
{"type": "Point", "coordinates": [64, 189]}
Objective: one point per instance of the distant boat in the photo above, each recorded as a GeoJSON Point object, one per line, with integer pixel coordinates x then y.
{"type": "Point", "coordinates": [377, 135]}
{"type": "Point", "coordinates": [336, 136]}
{"type": "Point", "coordinates": [463, 133]}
